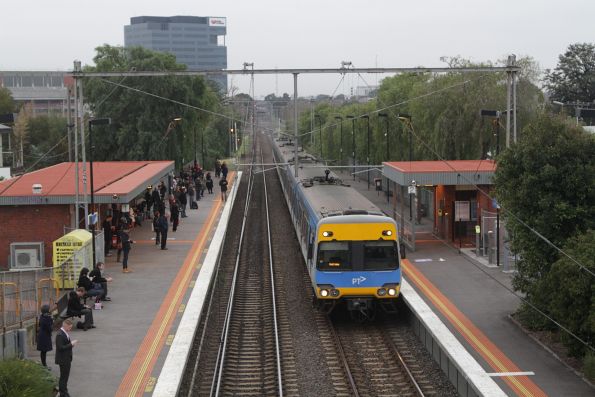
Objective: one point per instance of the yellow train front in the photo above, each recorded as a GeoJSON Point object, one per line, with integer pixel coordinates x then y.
{"type": "Point", "coordinates": [356, 260]}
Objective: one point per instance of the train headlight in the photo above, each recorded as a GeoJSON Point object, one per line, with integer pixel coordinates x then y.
{"type": "Point", "coordinates": [324, 293]}
{"type": "Point", "coordinates": [387, 232]}
{"type": "Point", "coordinates": [381, 292]}
{"type": "Point", "coordinates": [327, 234]}
{"type": "Point", "coordinates": [334, 292]}
{"type": "Point", "coordinates": [392, 291]}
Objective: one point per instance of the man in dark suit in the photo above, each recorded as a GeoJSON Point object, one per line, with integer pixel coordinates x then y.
{"type": "Point", "coordinates": [64, 355]}
{"type": "Point", "coordinates": [163, 226]}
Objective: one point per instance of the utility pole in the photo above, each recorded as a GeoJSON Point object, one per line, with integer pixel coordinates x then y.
{"type": "Point", "coordinates": [77, 68]}
{"type": "Point", "coordinates": [295, 125]}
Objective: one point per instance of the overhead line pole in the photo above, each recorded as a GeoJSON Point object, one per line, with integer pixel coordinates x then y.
{"type": "Point", "coordinates": [295, 124]}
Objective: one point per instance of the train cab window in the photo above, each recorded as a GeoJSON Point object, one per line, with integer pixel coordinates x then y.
{"type": "Point", "coordinates": [334, 256]}
{"type": "Point", "coordinates": [380, 255]}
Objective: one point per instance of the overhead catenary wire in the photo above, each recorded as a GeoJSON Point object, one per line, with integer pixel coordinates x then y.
{"type": "Point", "coordinates": [524, 224]}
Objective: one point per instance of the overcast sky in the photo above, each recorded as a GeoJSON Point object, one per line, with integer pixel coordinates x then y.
{"type": "Point", "coordinates": [49, 35]}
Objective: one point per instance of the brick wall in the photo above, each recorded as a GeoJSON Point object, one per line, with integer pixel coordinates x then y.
{"type": "Point", "coordinates": [32, 223]}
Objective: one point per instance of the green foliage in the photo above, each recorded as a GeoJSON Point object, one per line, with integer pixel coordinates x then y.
{"type": "Point", "coordinates": [445, 110]}
{"type": "Point", "coordinates": [6, 101]}
{"type": "Point", "coordinates": [140, 121]}
{"type": "Point", "coordinates": [571, 292]}
{"type": "Point", "coordinates": [44, 133]}
{"type": "Point", "coordinates": [25, 378]}
{"type": "Point", "coordinates": [546, 180]}
{"type": "Point", "coordinates": [573, 79]}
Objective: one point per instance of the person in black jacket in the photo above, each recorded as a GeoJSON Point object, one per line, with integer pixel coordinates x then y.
{"type": "Point", "coordinates": [107, 234]}
{"type": "Point", "coordinates": [77, 309]}
{"type": "Point", "coordinates": [183, 201]}
{"type": "Point", "coordinates": [175, 215]}
{"type": "Point", "coordinates": [126, 246]}
{"type": "Point", "coordinates": [85, 282]}
{"type": "Point", "coordinates": [44, 336]}
{"type": "Point", "coordinates": [163, 226]}
{"type": "Point", "coordinates": [64, 347]}
{"type": "Point", "coordinates": [97, 277]}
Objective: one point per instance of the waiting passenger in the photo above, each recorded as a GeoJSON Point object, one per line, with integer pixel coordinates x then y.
{"type": "Point", "coordinates": [98, 277]}
{"type": "Point", "coordinates": [77, 309]}
{"type": "Point", "coordinates": [92, 289]}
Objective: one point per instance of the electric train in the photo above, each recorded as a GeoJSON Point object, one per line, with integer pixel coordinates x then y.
{"type": "Point", "coordinates": [350, 247]}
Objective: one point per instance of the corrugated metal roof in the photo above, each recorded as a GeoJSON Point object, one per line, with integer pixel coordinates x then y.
{"type": "Point", "coordinates": [455, 172]}
{"type": "Point", "coordinates": [124, 178]}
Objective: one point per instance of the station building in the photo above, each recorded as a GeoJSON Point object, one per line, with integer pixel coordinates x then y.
{"type": "Point", "coordinates": [197, 42]}
{"type": "Point", "coordinates": [46, 92]}
{"type": "Point", "coordinates": [39, 207]}
{"type": "Point", "coordinates": [444, 198]}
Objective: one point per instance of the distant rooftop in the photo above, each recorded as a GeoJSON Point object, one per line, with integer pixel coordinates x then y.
{"type": "Point", "coordinates": [453, 172]}
{"type": "Point", "coordinates": [174, 19]}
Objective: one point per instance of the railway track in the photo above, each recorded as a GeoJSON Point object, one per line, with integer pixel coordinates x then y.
{"type": "Point", "coordinates": [247, 342]}
{"type": "Point", "coordinates": [372, 362]}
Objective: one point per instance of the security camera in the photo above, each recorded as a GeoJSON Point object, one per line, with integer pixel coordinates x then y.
{"type": "Point", "coordinates": [115, 197]}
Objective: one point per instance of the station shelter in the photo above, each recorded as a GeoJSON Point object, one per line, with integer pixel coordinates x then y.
{"type": "Point", "coordinates": [446, 199]}
{"type": "Point", "coordinates": [39, 207]}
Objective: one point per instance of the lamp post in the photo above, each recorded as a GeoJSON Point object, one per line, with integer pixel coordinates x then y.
{"type": "Point", "coordinates": [341, 140]}
{"type": "Point", "coordinates": [353, 142]}
{"type": "Point", "coordinates": [496, 123]}
{"type": "Point", "coordinates": [317, 116]}
{"type": "Point", "coordinates": [368, 148]}
{"type": "Point", "coordinates": [171, 126]}
{"type": "Point", "coordinates": [406, 119]}
{"type": "Point", "coordinates": [104, 121]}
{"type": "Point", "coordinates": [385, 116]}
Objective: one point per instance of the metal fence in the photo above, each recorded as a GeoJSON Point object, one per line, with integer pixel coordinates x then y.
{"type": "Point", "coordinates": [22, 292]}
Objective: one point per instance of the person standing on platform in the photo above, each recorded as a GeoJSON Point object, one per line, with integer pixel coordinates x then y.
{"type": "Point", "coordinates": [44, 336]}
{"type": "Point", "coordinates": [163, 226]}
{"type": "Point", "coordinates": [148, 201]}
{"type": "Point", "coordinates": [126, 246]}
{"type": "Point", "coordinates": [191, 195]}
{"type": "Point", "coordinates": [209, 183]}
{"type": "Point", "coordinates": [174, 210]}
{"type": "Point", "coordinates": [64, 355]}
{"type": "Point", "coordinates": [223, 185]}
{"type": "Point", "coordinates": [156, 227]}
{"type": "Point", "coordinates": [107, 234]}
{"type": "Point", "coordinates": [156, 199]}
{"type": "Point", "coordinates": [224, 170]}
{"type": "Point", "coordinates": [217, 168]}
{"type": "Point", "coordinates": [183, 202]}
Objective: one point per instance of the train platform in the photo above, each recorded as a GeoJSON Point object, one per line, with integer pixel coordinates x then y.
{"type": "Point", "coordinates": [475, 300]}
{"type": "Point", "coordinates": [124, 355]}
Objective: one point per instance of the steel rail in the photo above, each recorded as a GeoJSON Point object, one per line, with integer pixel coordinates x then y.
{"type": "Point", "coordinates": [220, 362]}
{"type": "Point", "coordinates": [343, 357]}
{"type": "Point", "coordinates": [276, 326]}
{"type": "Point", "coordinates": [395, 351]}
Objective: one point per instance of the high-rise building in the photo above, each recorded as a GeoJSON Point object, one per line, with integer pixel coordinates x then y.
{"type": "Point", "coordinates": [198, 42]}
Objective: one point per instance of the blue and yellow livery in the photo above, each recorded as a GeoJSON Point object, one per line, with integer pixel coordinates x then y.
{"type": "Point", "coordinates": [351, 249]}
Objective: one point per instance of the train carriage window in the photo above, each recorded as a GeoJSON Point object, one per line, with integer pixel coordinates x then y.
{"type": "Point", "coordinates": [380, 255]}
{"type": "Point", "coordinates": [334, 256]}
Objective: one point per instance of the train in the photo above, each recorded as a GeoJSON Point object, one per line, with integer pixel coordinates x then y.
{"type": "Point", "coordinates": [350, 247]}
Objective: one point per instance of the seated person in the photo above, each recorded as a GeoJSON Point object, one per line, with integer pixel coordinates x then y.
{"type": "Point", "coordinates": [97, 277]}
{"type": "Point", "coordinates": [77, 309]}
{"type": "Point", "coordinates": [85, 282]}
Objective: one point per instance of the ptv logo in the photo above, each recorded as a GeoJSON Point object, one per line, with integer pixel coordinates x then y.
{"type": "Point", "coordinates": [358, 280]}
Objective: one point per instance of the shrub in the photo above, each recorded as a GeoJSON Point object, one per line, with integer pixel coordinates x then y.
{"type": "Point", "coordinates": [25, 378]}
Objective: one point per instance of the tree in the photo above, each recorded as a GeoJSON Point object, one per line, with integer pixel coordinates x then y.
{"type": "Point", "coordinates": [140, 121]}
{"type": "Point", "coordinates": [45, 132]}
{"type": "Point", "coordinates": [21, 132]}
{"type": "Point", "coordinates": [546, 180]}
{"type": "Point", "coordinates": [573, 79]}
{"type": "Point", "coordinates": [572, 294]}
{"type": "Point", "coordinates": [6, 101]}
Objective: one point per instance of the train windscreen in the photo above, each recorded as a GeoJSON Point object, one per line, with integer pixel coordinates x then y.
{"type": "Point", "coordinates": [380, 255]}
{"type": "Point", "coordinates": [334, 255]}
{"type": "Point", "coordinates": [357, 255]}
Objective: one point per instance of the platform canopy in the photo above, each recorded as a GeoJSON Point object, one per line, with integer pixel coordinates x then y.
{"type": "Point", "coordinates": [114, 182]}
{"type": "Point", "coordinates": [455, 172]}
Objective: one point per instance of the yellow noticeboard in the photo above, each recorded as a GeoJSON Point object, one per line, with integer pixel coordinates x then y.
{"type": "Point", "coordinates": [71, 253]}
